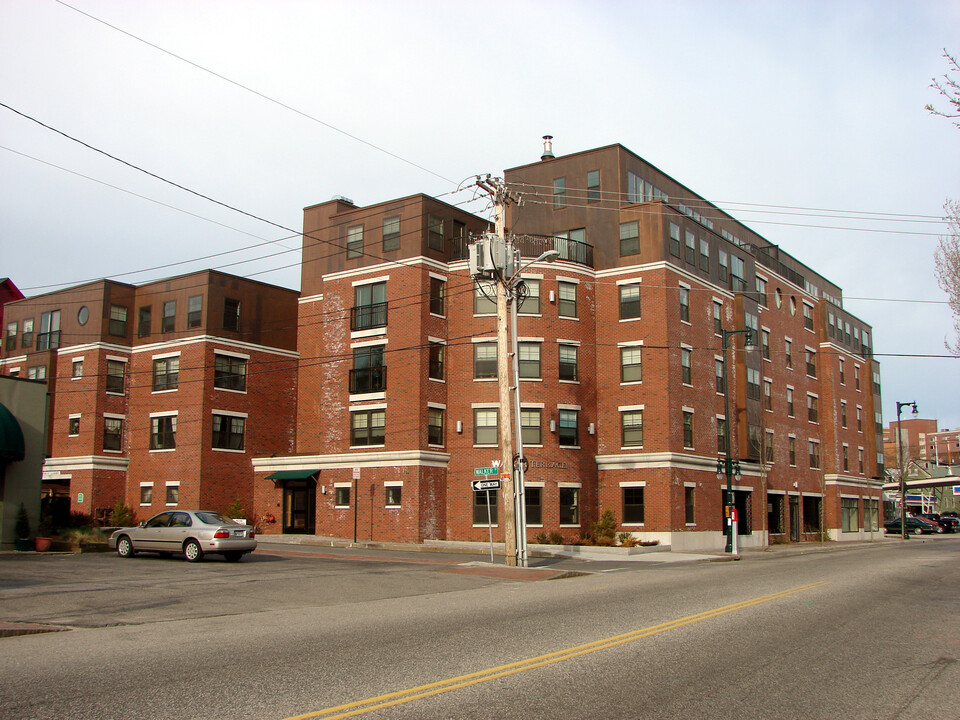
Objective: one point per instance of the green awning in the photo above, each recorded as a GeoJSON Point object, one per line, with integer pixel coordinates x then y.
{"type": "Point", "coordinates": [292, 475]}
{"type": "Point", "coordinates": [11, 436]}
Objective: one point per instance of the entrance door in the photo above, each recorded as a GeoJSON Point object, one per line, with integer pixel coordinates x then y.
{"type": "Point", "coordinates": [795, 518]}
{"type": "Point", "coordinates": [299, 506]}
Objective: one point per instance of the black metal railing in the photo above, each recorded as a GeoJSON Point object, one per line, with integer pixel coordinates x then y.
{"type": "Point", "coordinates": [364, 317]}
{"type": "Point", "coordinates": [367, 380]}
{"type": "Point", "coordinates": [532, 246]}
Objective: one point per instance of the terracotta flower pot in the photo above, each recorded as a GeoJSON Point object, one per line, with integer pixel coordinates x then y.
{"type": "Point", "coordinates": [42, 544]}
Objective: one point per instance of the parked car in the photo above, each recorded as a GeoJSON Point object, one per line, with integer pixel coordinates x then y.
{"type": "Point", "coordinates": [914, 526]}
{"type": "Point", "coordinates": [194, 533]}
{"type": "Point", "coordinates": [946, 523]}
{"type": "Point", "coordinates": [950, 513]}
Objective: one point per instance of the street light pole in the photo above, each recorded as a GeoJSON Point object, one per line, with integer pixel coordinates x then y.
{"type": "Point", "coordinates": [903, 473]}
{"type": "Point", "coordinates": [726, 467]}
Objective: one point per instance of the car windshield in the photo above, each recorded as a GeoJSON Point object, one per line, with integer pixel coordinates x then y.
{"type": "Point", "coordinates": [214, 518]}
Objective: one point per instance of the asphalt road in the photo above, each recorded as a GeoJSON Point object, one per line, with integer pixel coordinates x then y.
{"type": "Point", "coordinates": [870, 633]}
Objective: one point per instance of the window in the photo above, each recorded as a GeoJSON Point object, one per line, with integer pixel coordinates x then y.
{"type": "Point", "coordinates": [753, 384]}
{"type": "Point", "coordinates": [435, 371]}
{"type": "Point", "coordinates": [567, 435]}
{"type": "Point", "coordinates": [593, 186]}
{"type": "Point", "coordinates": [146, 494]}
{"type": "Point", "coordinates": [684, 304]}
{"type": "Point", "coordinates": [811, 356]}
{"type": "Point", "coordinates": [73, 425]}
{"type": "Point", "coordinates": [717, 320]}
{"type": "Point", "coordinates": [163, 432]}
{"type": "Point", "coordinates": [169, 316]}
{"type": "Point", "coordinates": [173, 494]}
{"type": "Point", "coordinates": [27, 339]}
{"type": "Point", "coordinates": [194, 311]}
{"type": "Point", "coordinates": [843, 414]}
{"type": "Point", "coordinates": [721, 435]}
{"type": "Point", "coordinates": [530, 298]}
{"type": "Point", "coordinates": [859, 419]}
{"type": "Point", "coordinates": [630, 364]}
{"type": "Point", "coordinates": [528, 359]}
{"type": "Point", "coordinates": [690, 240]}
{"type": "Point", "coordinates": [629, 238]}
{"type": "Point", "coordinates": [686, 355]}
{"type": "Point", "coordinates": [229, 373]}
{"type": "Point", "coordinates": [435, 232]}
{"type": "Point", "coordinates": [342, 496]}
{"type": "Point", "coordinates": [37, 372]}
{"type": "Point", "coordinates": [530, 426]}
{"type": "Point", "coordinates": [485, 298]}
{"type": "Point", "coordinates": [391, 233]}
{"type": "Point", "coordinates": [634, 188]}
{"type": "Point", "coordinates": [392, 495]}
{"type": "Point", "coordinates": [166, 373]}
{"type": "Point", "coordinates": [631, 424]}
{"type": "Point", "coordinates": [486, 426]}
{"type": "Point", "coordinates": [370, 306]}
{"type": "Point", "coordinates": [369, 373]}
{"type": "Point", "coordinates": [77, 371]}
{"type": "Point", "coordinates": [761, 286]}
{"type": "Point", "coordinates": [674, 240]}
{"type": "Point", "coordinates": [484, 508]}
{"type": "Point", "coordinates": [435, 426]}
{"type": "Point", "coordinates": [368, 427]}
{"type": "Point", "coordinates": [720, 377]}
{"type": "Point", "coordinates": [849, 515]}
{"type": "Point", "coordinates": [856, 377]}
{"type": "Point", "coordinates": [437, 292]}
{"type": "Point", "coordinates": [632, 505]}
{"type": "Point", "coordinates": [807, 316]}
{"type": "Point", "coordinates": [767, 394]}
{"type": "Point", "coordinates": [768, 446]}
{"type": "Point", "coordinates": [765, 344]}
{"type": "Point", "coordinates": [722, 266]}
{"type": "Point", "coordinates": [792, 451]}
{"type": "Point", "coordinates": [112, 430]}
{"type": "Point", "coordinates": [629, 301]}
{"type": "Point", "coordinates": [705, 256]}
{"type": "Point", "coordinates": [569, 506]}
{"type": "Point", "coordinates": [876, 383]}
{"type": "Point", "coordinates": [231, 314]}
{"type": "Point", "coordinates": [559, 193]}
{"type": "Point", "coordinates": [568, 363]}
{"type": "Point", "coordinates": [484, 360]}
{"type": "Point", "coordinates": [860, 459]}
{"type": "Point", "coordinates": [812, 408]}
{"type": "Point", "coordinates": [533, 502]}
{"type": "Point", "coordinates": [843, 378]}
{"type": "Point", "coordinates": [143, 320]}
{"type": "Point", "coordinates": [754, 441]}
{"type": "Point", "coordinates": [788, 353]}
{"type": "Point", "coordinates": [737, 283]}
{"type": "Point", "coordinates": [687, 429]}
{"type": "Point", "coordinates": [846, 459]}
{"type": "Point", "coordinates": [115, 372]}
{"type": "Point", "coordinates": [228, 432]}
{"type": "Point", "coordinates": [814, 448]}
{"type": "Point", "coordinates": [567, 299]}
{"type": "Point", "coordinates": [11, 343]}
{"type": "Point", "coordinates": [354, 241]}
{"type": "Point", "coordinates": [49, 335]}
{"type": "Point", "coordinates": [688, 507]}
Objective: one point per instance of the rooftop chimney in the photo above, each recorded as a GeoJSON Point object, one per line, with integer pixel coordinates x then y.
{"type": "Point", "coordinates": [547, 148]}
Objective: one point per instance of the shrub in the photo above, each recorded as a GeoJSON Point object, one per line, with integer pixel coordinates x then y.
{"type": "Point", "coordinates": [606, 527]}
{"type": "Point", "coordinates": [78, 519]}
{"type": "Point", "coordinates": [122, 516]}
{"type": "Point", "coordinates": [236, 510]}
{"type": "Point", "coordinates": [22, 527]}
{"type": "Point", "coordinates": [626, 539]}
{"type": "Point", "coordinates": [540, 538]}
{"type": "Point", "coordinates": [556, 538]}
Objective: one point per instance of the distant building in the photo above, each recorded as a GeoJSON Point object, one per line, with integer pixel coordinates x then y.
{"type": "Point", "coordinates": [941, 447]}
{"type": "Point", "coordinates": [909, 439]}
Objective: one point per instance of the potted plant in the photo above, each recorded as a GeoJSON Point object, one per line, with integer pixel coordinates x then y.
{"type": "Point", "coordinates": [22, 530]}
{"type": "Point", "coordinates": [45, 532]}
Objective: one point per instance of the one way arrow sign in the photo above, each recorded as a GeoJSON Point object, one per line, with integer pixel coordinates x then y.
{"type": "Point", "coordinates": [479, 485]}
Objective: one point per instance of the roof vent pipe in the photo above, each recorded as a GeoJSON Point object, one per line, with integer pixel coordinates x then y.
{"type": "Point", "coordinates": [547, 148]}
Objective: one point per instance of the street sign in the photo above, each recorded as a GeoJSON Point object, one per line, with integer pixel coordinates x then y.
{"type": "Point", "coordinates": [505, 476]}
{"type": "Point", "coordinates": [480, 485]}
{"type": "Point", "coordinates": [486, 471]}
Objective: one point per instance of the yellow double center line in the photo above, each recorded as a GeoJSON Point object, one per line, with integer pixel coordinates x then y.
{"type": "Point", "coordinates": [424, 691]}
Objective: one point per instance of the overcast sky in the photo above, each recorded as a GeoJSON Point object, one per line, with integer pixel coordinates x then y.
{"type": "Point", "coordinates": [761, 107]}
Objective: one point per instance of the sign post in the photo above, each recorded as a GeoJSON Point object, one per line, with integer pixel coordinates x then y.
{"type": "Point", "coordinates": [487, 485]}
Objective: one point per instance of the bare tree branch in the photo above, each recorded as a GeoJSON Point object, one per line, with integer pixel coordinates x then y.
{"type": "Point", "coordinates": [949, 88]}
{"type": "Point", "coordinates": [947, 268]}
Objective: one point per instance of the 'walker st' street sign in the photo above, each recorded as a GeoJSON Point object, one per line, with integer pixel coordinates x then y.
{"type": "Point", "coordinates": [486, 471]}
{"type": "Point", "coordinates": [480, 485]}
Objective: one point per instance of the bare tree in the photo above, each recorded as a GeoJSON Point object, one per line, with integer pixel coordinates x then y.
{"type": "Point", "coordinates": [947, 268]}
{"type": "Point", "coordinates": [950, 89]}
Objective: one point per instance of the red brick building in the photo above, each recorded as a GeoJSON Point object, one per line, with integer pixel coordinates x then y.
{"type": "Point", "coordinates": [160, 393]}
{"type": "Point", "coordinates": [622, 367]}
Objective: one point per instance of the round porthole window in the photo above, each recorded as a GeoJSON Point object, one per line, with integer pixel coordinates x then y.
{"type": "Point", "coordinates": [779, 297]}
{"type": "Point", "coordinates": [83, 314]}
{"type": "Point", "coordinates": [793, 305]}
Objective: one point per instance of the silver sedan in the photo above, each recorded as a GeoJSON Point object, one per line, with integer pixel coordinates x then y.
{"type": "Point", "coordinates": [194, 533]}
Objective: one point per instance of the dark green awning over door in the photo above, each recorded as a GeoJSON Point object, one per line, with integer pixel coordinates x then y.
{"type": "Point", "coordinates": [11, 437]}
{"type": "Point", "coordinates": [282, 475]}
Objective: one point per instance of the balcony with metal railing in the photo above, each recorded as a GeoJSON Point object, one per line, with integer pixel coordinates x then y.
{"type": "Point", "coordinates": [533, 246]}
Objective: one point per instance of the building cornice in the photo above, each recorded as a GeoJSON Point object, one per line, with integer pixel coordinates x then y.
{"type": "Point", "coordinates": [54, 466]}
{"type": "Point", "coordinates": [377, 458]}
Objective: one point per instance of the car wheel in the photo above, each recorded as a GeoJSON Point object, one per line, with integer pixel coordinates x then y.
{"type": "Point", "coordinates": [125, 547]}
{"type": "Point", "coordinates": [939, 529]}
{"type": "Point", "coordinates": [192, 550]}
{"type": "Point", "coordinates": [916, 531]}
{"type": "Point", "coordinates": [232, 556]}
